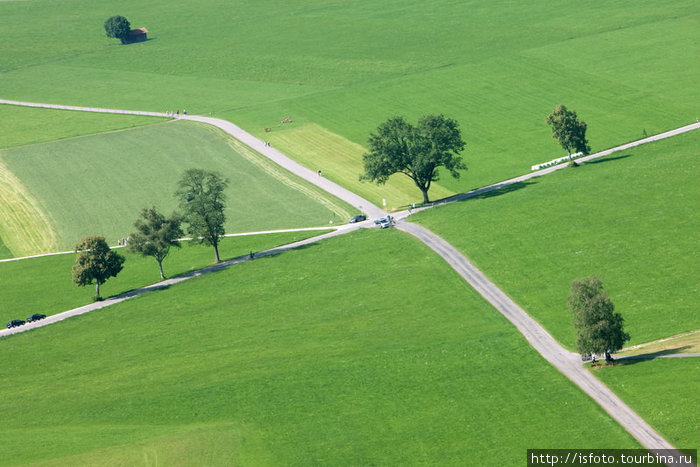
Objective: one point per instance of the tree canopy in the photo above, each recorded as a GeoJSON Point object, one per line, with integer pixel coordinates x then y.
{"type": "Point", "coordinates": [154, 235]}
{"type": "Point", "coordinates": [598, 328]}
{"type": "Point", "coordinates": [416, 151]}
{"type": "Point", "coordinates": [568, 130]}
{"type": "Point", "coordinates": [95, 263]}
{"type": "Point", "coordinates": [202, 201]}
{"type": "Point", "coordinates": [117, 27]}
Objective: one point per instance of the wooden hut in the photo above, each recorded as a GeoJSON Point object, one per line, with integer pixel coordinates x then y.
{"type": "Point", "coordinates": [137, 35]}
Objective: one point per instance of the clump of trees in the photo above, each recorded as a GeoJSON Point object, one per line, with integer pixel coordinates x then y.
{"type": "Point", "coordinates": [417, 151]}
{"type": "Point", "coordinates": [202, 200]}
{"type": "Point", "coordinates": [118, 27]}
{"type": "Point", "coordinates": [568, 130]}
{"type": "Point", "coordinates": [95, 263]}
{"type": "Point", "coordinates": [599, 330]}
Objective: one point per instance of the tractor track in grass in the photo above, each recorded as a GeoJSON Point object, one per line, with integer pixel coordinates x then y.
{"type": "Point", "coordinates": [568, 363]}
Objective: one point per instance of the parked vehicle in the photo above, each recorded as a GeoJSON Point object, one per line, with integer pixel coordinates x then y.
{"type": "Point", "coordinates": [35, 317]}
{"type": "Point", "coordinates": [383, 222]}
{"type": "Point", "coordinates": [358, 218]}
{"type": "Point", "coordinates": [14, 323]}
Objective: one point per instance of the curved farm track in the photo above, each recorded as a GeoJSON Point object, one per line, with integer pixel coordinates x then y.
{"type": "Point", "coordinates": [566, 362]}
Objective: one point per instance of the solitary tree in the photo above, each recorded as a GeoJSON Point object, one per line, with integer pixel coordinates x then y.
{"type": "Point", "coordinates": [415, 151]}
{"type": "Point", "coordinates": [95, 263]}
{"type": "Point", "coordinates": [117, 27]}
{"type": "Point", "coordinates": [202, 198]}
{"type": "Point", "coordinates": [568, 130]}
{"type": "Point", "coordinates": [598, 328]}
{"type": "Point", "coordinates": [155, 235]}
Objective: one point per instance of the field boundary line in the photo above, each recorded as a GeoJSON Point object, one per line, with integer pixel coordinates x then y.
{"type": "Point", "coordinates": [240, 234]}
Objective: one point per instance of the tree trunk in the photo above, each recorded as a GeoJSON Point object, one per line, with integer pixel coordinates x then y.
{"type": "Point", "coordinates": [425, 195]}
{"type": "Point", "coordinates": [97, 290]}
{"type": "Point", "coordinates": [160, 267]}
{"type": "Point", "coordinates": [216, 252]}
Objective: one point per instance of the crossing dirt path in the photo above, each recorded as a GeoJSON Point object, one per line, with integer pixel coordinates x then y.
{"type": "Point", "coordinates": [568, 363]}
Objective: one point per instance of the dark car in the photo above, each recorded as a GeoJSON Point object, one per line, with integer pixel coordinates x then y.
{"type": "Point", "coordinates": [359, 218]}
{"type": "Point", "coordinates": [14, 323]}
{"type": "Point", "coordinates": [35, 317]}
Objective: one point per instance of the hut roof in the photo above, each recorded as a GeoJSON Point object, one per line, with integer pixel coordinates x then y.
{"type": "Point", "coordinates": [138, 31]}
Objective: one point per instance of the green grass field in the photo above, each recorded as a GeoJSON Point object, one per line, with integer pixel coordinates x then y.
{"type": "Point", "coordinates": [498, 68]}
{"type": "Point", "coordinates": [664, 392]}
{"type": "Point", "coordinates": [97, 185]}
{"type": "Point", "coordinates": [316, 356]}
{"type": "Point", "coordinates": [630, 219]}
{"type": "Point", "coordinates": [25, 125]}
{"type": "Point", "coordinates": [44, 284]}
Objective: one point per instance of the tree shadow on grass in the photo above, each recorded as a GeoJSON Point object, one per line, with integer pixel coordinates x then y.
{"type": "Point", "coordinates": [505, 189]}
{"type": "Point", "coordinates": [608, 159]}
{"type": "Point", "coordinates": [278, 251]}
{"type": "Point", "coordinates": [633, 359]}
{"type": "Point", "coordinates": [487, 192]}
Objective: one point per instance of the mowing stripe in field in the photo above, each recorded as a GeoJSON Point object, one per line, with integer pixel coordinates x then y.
{"type": "Point", "coordinates": [24, 227]}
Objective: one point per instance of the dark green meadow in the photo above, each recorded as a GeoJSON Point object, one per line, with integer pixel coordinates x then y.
{"type": "Point", "coordinates": [361, 349]}
{"type": "Point", "coordinates": [498, 68]}
{"type": "Point", "coordinates": [44, 284]}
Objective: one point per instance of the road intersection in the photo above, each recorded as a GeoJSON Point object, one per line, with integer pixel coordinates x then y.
{"type": "Point", "coordinates": [568, 363]}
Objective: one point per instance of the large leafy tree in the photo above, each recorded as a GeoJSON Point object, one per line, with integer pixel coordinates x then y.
{"type": "Point", "coordinates": [598, 328]}
{"type": "Point", "coordinates": [202, 201]}
{"type": "Point", "coordinates": [568, 130]}
{"type": "Point", "coordinates": [118, 27]}
{"type": "Point", "coordinates": [416, 151]}
{"type": "Point", "coordinates": [155, 235]}
{"type": "Point", "coordinates": [95, 263]}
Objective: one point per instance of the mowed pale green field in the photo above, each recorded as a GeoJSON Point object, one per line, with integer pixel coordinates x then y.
{"type": "Point", "coordinates": [360, 350]}
{"type": "Point", "coordinates": [664, 391]}
{"type": "Point", "coordinates": [630, 219]}
{"type": "Point", "coordinates": [97, 185]}
{"type": "Point", "coordinates": [44, 284]}
{"type": "Point", "coordinates": [498, 68]}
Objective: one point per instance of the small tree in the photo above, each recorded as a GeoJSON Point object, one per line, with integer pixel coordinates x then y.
{"type": "Point", "coordinates": [155, 235]}
{"type": "Point", "coordinates": [598, 328]}
{"type": "Point", "coordinates": [201, 195]}
{"type": "Point", "coordinates": [568, 130]}
{"type": "Point", "coordinates": [118, 27]}
{"type": "Point", "coordinates": [95, 263]}
{"type": "Point", "coordinates": [415, 151]}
